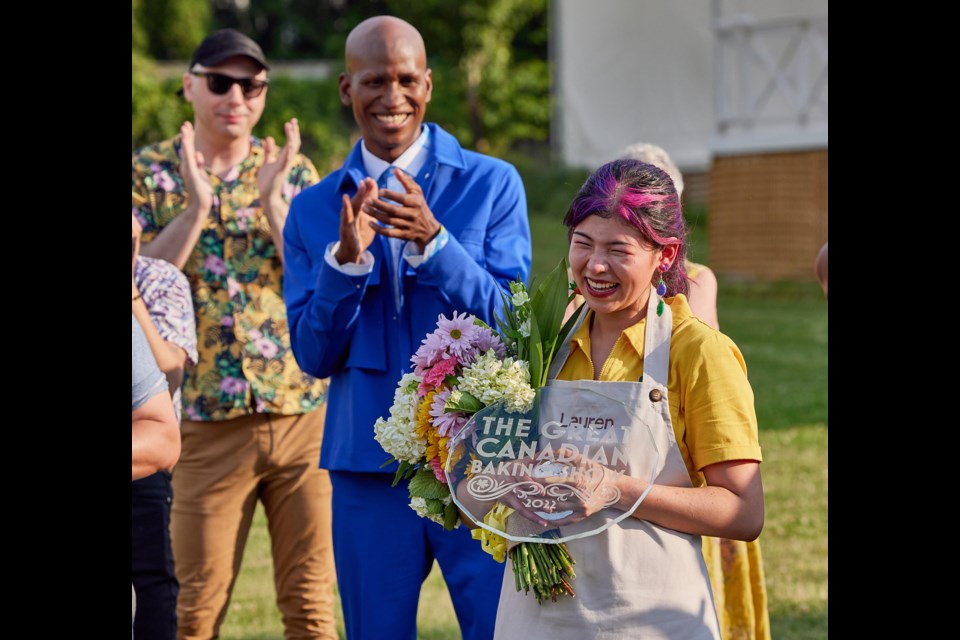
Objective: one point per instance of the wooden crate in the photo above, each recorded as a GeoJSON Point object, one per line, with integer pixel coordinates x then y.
{"type": "Point", "coordinates": [767, 215]}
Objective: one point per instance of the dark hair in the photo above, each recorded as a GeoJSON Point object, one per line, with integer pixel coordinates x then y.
{"type": "Point", "coordinates": [644, 196]}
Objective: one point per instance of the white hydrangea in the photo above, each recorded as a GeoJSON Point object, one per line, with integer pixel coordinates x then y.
{"type": "Point", "coordinates": [517, 391]}
{"type": "Point", "coordinates": [397, 434]}
{"type": "Point", "coordinates": [489, 379]}
{"type": "Point", "coordinates": [419, 505]}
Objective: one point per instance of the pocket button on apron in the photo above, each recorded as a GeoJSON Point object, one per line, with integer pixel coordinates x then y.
{"type": "Point", "coordinates": [656, 395]}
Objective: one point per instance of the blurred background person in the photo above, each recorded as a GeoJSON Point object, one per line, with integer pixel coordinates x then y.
{"type": "Point", "coordinates": [735, 566]}
{"type": "Point", "coordinates": [702, 296]}
{"type": "Point", "coordinates": [164, 311]}
{"type": "Point", "coordinates": [155, 434]}
{"type": "Point", "coordinates": [821, 268]}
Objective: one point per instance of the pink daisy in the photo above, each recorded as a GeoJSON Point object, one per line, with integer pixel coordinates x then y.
{"type": "Point", "coordinates": [431, 350]}
{"type": "Point", "coordinates": [457, 333]}
{"type": "Point", "coordinates": [447, 424]}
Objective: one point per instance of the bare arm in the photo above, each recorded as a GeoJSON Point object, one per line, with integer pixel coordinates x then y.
{"type": "Point", "coordinates": [176, 241]}
{"type": "Point", "coordinates": [821, 268]}
{"type": "Point", "coordinates": [171, 358]}
{"type": "Point", "coordinates": [730, 506]}
{"type": "Point", "coordinates": [271, 177]}
{"type": "Point", "coordinates": [702, 297]}
{"type": "Point", "coordinates": [155, 436]}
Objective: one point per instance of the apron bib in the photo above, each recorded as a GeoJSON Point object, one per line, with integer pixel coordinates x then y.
{"type": "Point", "coordinates": [635, 580]}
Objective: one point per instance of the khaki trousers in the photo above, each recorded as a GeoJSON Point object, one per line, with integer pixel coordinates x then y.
{"type": "Point", "coordinates": [224, 468]}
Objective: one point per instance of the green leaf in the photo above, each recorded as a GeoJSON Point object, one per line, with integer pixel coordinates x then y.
{"type": "Point", "coordinates": [425, 485]}
{"type": "Point", "coordinates": [506, 319]}
{"type": "Point", "coordinates": [401, 471]}
{"type": "Point", "coordinates": [450, 516]}
{"type": "Point", "coordinates": [480, 323]}
{"type": "Point", "coordinates": [462, 401]}
{"type": "Point", "coordinates": [435, 506]}
{"type": "Point", "coordinates": [536, 355]}
{"type": "Point", "coordinates": [549, 302]}
{"type": "Point", "coordinates": [564, 335]}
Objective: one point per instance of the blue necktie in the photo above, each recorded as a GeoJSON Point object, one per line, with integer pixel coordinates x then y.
{"type": "Point", "coordinates": [382, 181]}
{"type": "Point", "coordinates": [396, 245]}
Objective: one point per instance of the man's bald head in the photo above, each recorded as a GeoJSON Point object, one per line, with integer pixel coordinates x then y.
{"type": "Point", "coordinates": [387, 84]}
{"type": "Point", "coordinates": [381, 35]}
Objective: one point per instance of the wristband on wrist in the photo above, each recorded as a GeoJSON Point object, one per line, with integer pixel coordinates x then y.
{"type": "Point", "coordinates": [136, 297]}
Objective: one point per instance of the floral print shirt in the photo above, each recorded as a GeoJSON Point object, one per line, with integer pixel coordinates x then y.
{"type": "Point", "coordinates": [166, 294]}
{"type": "Point", "coordinates": [245, 364]}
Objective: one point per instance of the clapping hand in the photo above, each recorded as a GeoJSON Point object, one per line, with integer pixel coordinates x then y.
{"type": "Point", "coordinates": [276, 166]}
{"type": "Point", "coordinates": [410, 218]}
{"type": "Point", "coordinates": [196, 182]}
{"type": "Point", "coordinates": [356, 227]}
{"type": "Point", "coordinates": [137, 232]}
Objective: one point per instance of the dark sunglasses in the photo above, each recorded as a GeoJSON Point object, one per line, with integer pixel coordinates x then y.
{"type": "Point", "coordinates": [220, 84]}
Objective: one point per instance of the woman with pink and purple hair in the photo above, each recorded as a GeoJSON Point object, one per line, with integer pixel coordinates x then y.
{"type": "Point", "coordinates": [637, 342]}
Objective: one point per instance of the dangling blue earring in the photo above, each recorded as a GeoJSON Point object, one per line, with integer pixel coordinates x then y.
{"type": "Point", "coordinates": [661, 288]}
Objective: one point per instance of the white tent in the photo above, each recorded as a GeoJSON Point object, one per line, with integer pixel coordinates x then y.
{"type": "Point", "coordinates": [697, 77]}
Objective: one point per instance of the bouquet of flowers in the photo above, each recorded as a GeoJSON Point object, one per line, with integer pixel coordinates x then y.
{"type": "Point", "coordinates": [460, 368]}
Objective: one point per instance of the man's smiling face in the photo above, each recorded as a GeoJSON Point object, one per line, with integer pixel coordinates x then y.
{"type": "Point", "coordinates": [388, 86]}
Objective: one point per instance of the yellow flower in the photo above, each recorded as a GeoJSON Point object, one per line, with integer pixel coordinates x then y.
{"type": "Point", "coordinates": [424, 427]}
{"type": "Point", "coordinates": [492, 543]}
{"type": "Point", "coordinates": [456, 455]}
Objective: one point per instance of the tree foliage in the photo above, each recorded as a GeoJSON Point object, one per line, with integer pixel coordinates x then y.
{"type": "Point", "coordinates": [489, 61]}
{"type": "Point", "coordinates": [171, 29]}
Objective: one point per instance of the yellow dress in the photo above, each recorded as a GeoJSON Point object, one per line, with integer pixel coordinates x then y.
{"type": "Point", "coordinates": [739, 588]}
{"type": "Point", "coordinates": [736, 575]}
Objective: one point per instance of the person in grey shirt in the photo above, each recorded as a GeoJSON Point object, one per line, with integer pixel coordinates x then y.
{"type": "Point", "coordinates": [155, 431]}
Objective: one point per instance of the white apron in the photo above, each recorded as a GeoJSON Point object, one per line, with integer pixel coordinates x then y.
{"type": "Point", "coordinates": [636, 580]}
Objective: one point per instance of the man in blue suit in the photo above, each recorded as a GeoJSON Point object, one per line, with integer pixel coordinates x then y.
{"type": "Point", "coordinates": [411, 226]}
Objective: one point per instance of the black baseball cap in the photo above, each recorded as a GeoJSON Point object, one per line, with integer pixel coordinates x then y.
{"type": "Point", "coordinates": [226, 43]}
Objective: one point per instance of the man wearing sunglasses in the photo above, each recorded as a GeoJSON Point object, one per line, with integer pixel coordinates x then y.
{"type": "Point", "coordinates": [213, 201]}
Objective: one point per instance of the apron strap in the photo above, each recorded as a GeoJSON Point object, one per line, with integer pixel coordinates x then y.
{"type": "Point", "coordinates": [656, 341]}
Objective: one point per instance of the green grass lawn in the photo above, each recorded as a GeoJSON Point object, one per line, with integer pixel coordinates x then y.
{"type": "Point", "coordinates": [781, 328]}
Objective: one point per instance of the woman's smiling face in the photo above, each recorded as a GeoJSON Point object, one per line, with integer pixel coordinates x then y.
{"type": "Point", "coordinates": [613, 265]}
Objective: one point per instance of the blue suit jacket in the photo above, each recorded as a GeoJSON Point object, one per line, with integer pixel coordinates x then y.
{"type": "Point", "coordinates": [349, 328]}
